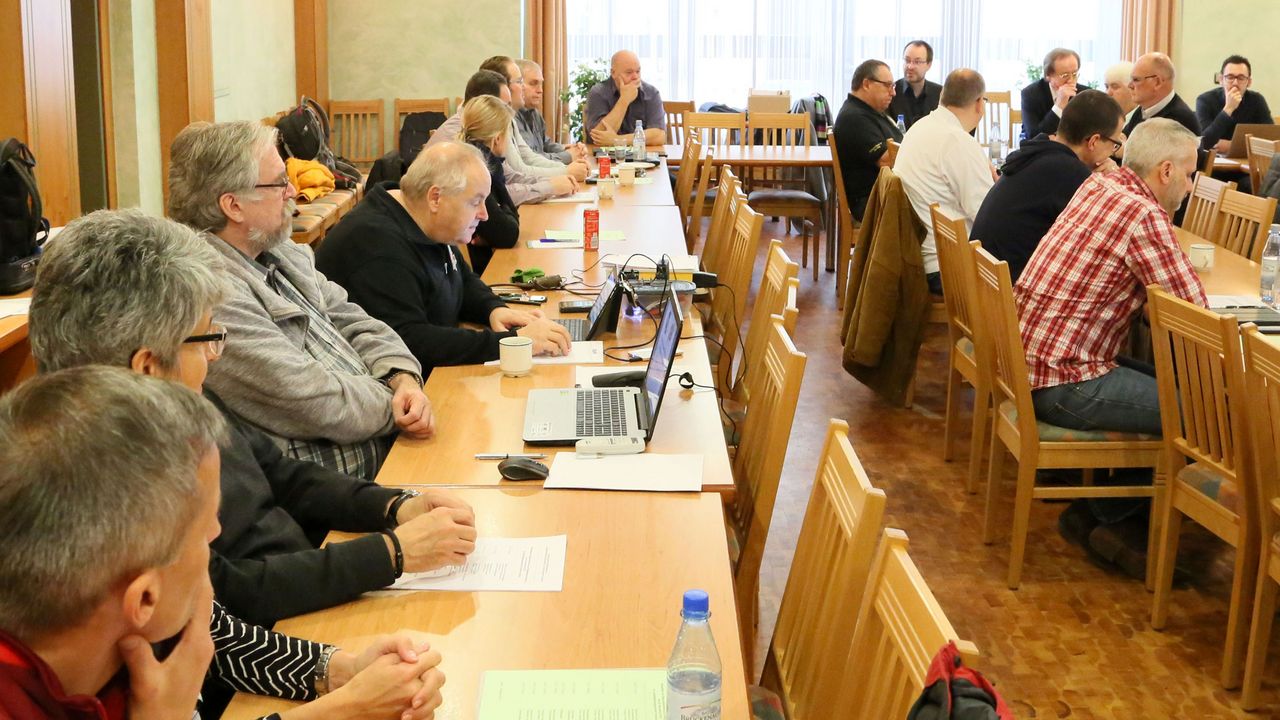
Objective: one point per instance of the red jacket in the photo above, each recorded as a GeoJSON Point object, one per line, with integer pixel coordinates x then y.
{"type": "Point", "coordinates": [30, 690]}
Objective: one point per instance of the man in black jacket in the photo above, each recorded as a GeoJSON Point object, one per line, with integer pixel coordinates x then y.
{"type": "Point", "coordinates": [913, 95]}
{"type": "Point", "coordinates": [397, 256]}
{"type": "Point", "coordinates": [158, 283]}
{"type": "Point", "coordinates": [1219, 110]}
{"type": "Point", "coordinates": [1044, 100]}
{"type": "Point", "coordinates": [1041, 176]}
{"type": "Point", "coordinates": [1152, 86]}
{"type": "Point", "coordinates": [863, 131]}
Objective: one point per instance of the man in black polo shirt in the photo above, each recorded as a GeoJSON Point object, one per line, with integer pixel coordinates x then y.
{"type": "Point", "coordinates": [863, 131]}
{"type": "Point", "coordinates": [1219, 110]}
{"type": "Point", "coordinates": [913, 96]}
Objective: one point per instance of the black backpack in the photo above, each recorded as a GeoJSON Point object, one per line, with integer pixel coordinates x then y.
{"type": "Point", "coordinates": [416, 131]}
{"type": "Point", "coordinates": [304, 134]}
{"type": "Point", "coordinates": [23, 228]}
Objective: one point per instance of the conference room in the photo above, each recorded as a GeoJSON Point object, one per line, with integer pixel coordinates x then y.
{"type": "Point", "coordinates": [587, 359]}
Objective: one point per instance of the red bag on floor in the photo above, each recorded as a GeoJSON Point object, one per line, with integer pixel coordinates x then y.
{"type": "Point", "coordinates": [955, 692]}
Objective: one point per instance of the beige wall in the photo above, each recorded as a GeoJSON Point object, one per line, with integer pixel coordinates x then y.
{"type": "Point", "coordinates": [136, 105]}
{"type": "Point", "coordinates": [253, 61]}
{"type": "Point", "coordinates": [1210, 30]}
{"type": "Point", "coordinates": [415, 49]}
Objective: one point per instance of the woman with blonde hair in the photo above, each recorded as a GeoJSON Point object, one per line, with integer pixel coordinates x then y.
{"type": "Point", "coordinates": [487, 124]}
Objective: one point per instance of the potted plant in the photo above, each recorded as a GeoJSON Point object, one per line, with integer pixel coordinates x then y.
{"type": "Point", "coordinates": [581, 80]}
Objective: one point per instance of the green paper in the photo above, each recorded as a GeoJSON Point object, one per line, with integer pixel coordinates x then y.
{"type": "Point", "coordinates": [613, 694]}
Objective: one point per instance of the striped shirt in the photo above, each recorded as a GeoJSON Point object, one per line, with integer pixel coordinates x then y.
{"type": "Point", "coordinates": [253, 659]}
{"type": "Point", "coordinates": [1088, 277]}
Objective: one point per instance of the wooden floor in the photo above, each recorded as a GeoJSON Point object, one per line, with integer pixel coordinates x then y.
{"type": "Point", "coordinates": [1075, 641]}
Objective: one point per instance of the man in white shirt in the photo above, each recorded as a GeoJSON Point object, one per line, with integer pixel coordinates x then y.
{"type": "Point", "coordinates": [940, 162]}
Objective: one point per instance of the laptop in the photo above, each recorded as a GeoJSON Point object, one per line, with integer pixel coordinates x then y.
{"type": "Point", "coordinates": [1240, 147]}
{"type": "Point", "coordinates": [1267, 319]}
{"type": "Point", "coordinates": [603, 316]}
{"type": "Point", "coordinates": [562, 416]}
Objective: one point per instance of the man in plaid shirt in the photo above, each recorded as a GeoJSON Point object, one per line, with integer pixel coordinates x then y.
{"type": "Point", "coordinates": [1087, 281]}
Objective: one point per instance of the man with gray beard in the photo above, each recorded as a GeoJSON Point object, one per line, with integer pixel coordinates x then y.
{"type": "Point", "coordinates": [326, 381]}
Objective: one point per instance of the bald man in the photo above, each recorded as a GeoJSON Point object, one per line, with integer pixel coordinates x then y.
{"type": "Point", "coordinates": [1152, 87]}
{"type": "Point", "coordinates": [615, 105]}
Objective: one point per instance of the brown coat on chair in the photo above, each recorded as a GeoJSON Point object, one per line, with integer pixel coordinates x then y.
{"type": "Point", "coordinates": [887, 298]}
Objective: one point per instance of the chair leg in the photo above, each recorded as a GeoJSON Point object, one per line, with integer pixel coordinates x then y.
{"type": "Point", "coordinates": [1243, 585]}
{"type": "Point", "coordinates": [1021, 520]}
{"type": "Point", "coordinates": [805, 227]}
{"type": "Point", "coordinates": [978, 439]}
{"type": "Point", "coordinates": [955, 383]}
{"type": "Point", "coordinates": [1264, 610]}
{"type": "Point", "coordinates": [1167, 553]}
{"type": "Point", "coordinates": [1155, 524]}
{"type": "Point", "coordinates": [995, 472]}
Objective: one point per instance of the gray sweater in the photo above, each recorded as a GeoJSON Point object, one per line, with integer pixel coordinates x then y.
{"type": "Point", "coordinates": [268, 378]}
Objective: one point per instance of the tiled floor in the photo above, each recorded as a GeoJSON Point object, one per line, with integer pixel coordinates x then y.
{"type": "Point", "coordinates": [1075, 641]}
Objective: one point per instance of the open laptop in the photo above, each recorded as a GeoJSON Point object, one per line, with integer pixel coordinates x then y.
{"type": "Point", "coordinates": [603, 316]}
{"type": "Point", "coordinates": [1239, 146]}
{"type": "Point", "coordinates": [562, 416]}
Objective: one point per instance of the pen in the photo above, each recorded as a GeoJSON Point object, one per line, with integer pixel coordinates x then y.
{"type": "Point", "coordinates": [504, 456]}
{"type": "Point", "coordinates": [558, 240]}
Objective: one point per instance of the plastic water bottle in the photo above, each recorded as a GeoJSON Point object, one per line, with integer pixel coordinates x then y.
{"type": "Point", "coordinates": [997, 143]}
{"type": "Point", "coordinates": [637, 143]}
{"type": "Point", "coordinates": [1270, 259]}
{"type": "Point", "coordinates": [902, 124]}
{"type": "Point", "coordinates": [693, 672]}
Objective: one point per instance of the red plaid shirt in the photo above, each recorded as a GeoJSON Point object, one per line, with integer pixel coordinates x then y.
{"type": "Point", "coordinates": [1088, 276]}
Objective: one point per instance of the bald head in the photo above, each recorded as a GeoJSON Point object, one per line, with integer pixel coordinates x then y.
{"type": "Point", "coordinates": [1155, 63]}
{"type": "Point", "coordinates": [624, 67]}
{"type": "Point", "coordinates": [1152, 79]}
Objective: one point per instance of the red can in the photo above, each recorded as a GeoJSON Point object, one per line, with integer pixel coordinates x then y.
{"type": "Point", "coordinates": [591, 229]}
{"type": "Point", "coordinates": [604, 165]}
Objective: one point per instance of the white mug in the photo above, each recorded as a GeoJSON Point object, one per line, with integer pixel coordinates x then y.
{"type": "Point", "coordinates": [515, 356]}
{"type": "Point", "coordinates": [606, 188]}
{"type": "Point", "coordinates": [1201, 255]}
{"type": "Point", "coordinates": [626, 176]}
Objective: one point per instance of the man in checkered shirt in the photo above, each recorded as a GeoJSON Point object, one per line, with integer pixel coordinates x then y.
{"type": "Point", "coordinates": [1086, 283]}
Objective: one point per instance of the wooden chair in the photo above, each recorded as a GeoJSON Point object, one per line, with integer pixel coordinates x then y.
{"type": "Point", "coordinates": [404, 107]}
{"type": "Point", "coordinates": [788, 198]}
{"type": "Point", "coordinates": [1262, 387]}
{"type": "Point", "coordinates": [1243, 223]}
{"type": "Point", "coordinates": [891, 154]}
{"type": "Point", "coordinates": [900, 628]}
{"type": "Point", "coordinates": [847, 225]}
{"type": "Point", "coordinates": [717, 130]}
{"type": "Point", "coordinates": [698, 206]}
{"type": "Point", "coordinates": [685, 176]}
{"type": "Point", "coordinates": [1015, 136]}
{"type": "Point", "coordinates": [1200, 373]}
{"type": "Point", "coordinates": [997, 113]}
{"type": "Point", "coordinates": [729, 303]}
{"type": "Point", "coordinates": [1037, 444]}
{"type": "Point", "coordinates": [955, 261]}
{"type": "Point", "coordinates": [728, 195]}
{"type": "Point", "coordinates": [1259, 152]}
{"type": "Point", "coordinates": [819, 608]}
{"type": "Point", "coordinates": [757, 467]}
{"type": "Point", "coordinates": [1202, 207]}
{"type": "Point", "coordinates": [675, 111]}
{"type": "Point", "coordinates": [777, 285]}
{"type": "Point", "coordinates": [356, 129]}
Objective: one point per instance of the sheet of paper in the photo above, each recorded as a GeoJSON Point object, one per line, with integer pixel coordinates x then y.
{"type": "Point", "coordinates": [584, 352]}
{"type": "Point", "coordinates": [15, 306]}
{"type": "Point", "coordinates": [566, 235]}
{"type": "Point", "coordinates": [533, 564]}
{"type": "Point", "coordinates": [681, 263]}
{"type": "Point", "coordinates": [646, 471]}
{"type": "Point", "coordinates": [583, 373]}
{"type": "Point", "coordinates": [643, 181]}
{"type": "Point", "coordinates": [582, 196]}
{"type": "Point", "coordinates": [636, 694]}
{"type": "Point", "coordinates": [1220, 302]}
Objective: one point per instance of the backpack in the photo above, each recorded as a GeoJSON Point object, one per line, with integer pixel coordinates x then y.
{"type": "Point", "coordinates": [416, 131]}
{"type": "Point", "coordinates": [23, 228]}
{"type": "Point", "coordinates": [955, 692]}
{"type": "Point", "coordinates": [304, 134]}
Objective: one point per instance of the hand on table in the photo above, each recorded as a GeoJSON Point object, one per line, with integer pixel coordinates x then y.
{"type": "Point", "coordinates": [578, 170]}
{"type": "Point", "coordinates": [563, 185]}
{"type": "Point", "coordinates": [431, 499]}
{"type": "Point", "coordinates": [388, 684]}
{"type": "Point", "coordinates": [168, 688]}
{"type": "Point", "coordinates": [439, 537]}
{"type": "Point", "coordinates": [578, 152]}
{"type": "Point", "coordinates": [411, 408]}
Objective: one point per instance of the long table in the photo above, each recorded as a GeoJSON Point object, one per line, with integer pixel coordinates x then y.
{"type": "Point", "coordinates": [1232, 274]}
{"type": "Point", "coordinates": [630, 557]}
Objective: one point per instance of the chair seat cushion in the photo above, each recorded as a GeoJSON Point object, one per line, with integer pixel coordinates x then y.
{"type": "Point", "coordinates": [1208, 482]}
{"type": "Point", "coordinates": [765, 704]}
{"type": "Point", "coordinates": [1055, 433]}
{"type": "Point", "coordinates": [797, 198]}
{"type": "Point", "coordinates": [304, 223]}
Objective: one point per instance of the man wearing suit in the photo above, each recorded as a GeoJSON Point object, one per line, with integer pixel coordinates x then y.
{"type": "Point", "coordinates": [1152, 87]}
{"type": "Point", "coordinates": [1043, 100]}
{"type": "Point", "coordinates": [1232, 102]}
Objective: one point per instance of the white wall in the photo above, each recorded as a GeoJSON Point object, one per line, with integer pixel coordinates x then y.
{"type": "Point", "coordinates": [1210, 30]}
{"type": "Point", "coordinates": [146, 93]}
{"type": "Point", "coordinates": [253, 61]}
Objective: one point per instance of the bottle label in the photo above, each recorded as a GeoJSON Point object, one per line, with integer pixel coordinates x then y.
{"type": "Point", "coordinates": [591, 229]}
{"type": "Point", "coordinates": [692, 706]}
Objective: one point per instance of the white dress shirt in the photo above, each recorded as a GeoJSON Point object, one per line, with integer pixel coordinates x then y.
{"type": "Point", "coordinates": [941, 163]}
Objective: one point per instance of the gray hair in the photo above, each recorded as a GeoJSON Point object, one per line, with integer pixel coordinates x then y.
{"type": "Point", "coordinates": [115, 281]}
{"type": "Point", "coordinates": [527, 64]}
{"type": "Point", "coordinates": [1054, 56]}
{"type": "Point", "coordinates": [1121, 72]}
{"type": "Point", "coordinates": [209, 160]}
{"type": "Point", "coordinates": [1155, 141]}
{"type": "Point", "coordinates": [97, 484]}
{"type": "Point", "coordinates": [443, 165]}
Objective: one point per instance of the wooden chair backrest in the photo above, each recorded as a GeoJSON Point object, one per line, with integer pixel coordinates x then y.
{"type": "Point", "coordinates": [685, 176]}
{"type": "Point", "coordinates": [1200, 377]}
{"type": "Point", "coordinates": [729, 304]}
{"type": "Point", "coordinates": [718, 130]}
{"type": "Point", "coordinates": [728, 195]}
{"type": "Point", "coordinates": [706, 175]}
{"type": "Point", "coordinates": [356, 129]}
{"type": "Point", "coordinates": [824, 589]}
{"type": "Point", "coordinates": [1262, 384]}
{"type": "Point", "coordinates": [757, 464]}
{"type": "Point", "coordinates": [1258, 152]}
{"type": "Point", "coordinates": [780, 130]}
{"type": "Point", "coordinates": [900, 628]}
{"type": "Point", "coordinates": [999, 346]}
{"type": "Point", "coordinates": [1202, 207]}
{"type": "Point", "coordinates": [405, 106]}
{"type": "Point", "coordinates": [1243, 223]}
{"type": "Point", "coordinates": [891, 154]}
{"type": "Point", "coordinates": [956, 266]}
{"type": "Point", "coordinates": [846, 212]}
{"type": "Point", "coordinates": [997, 113]}
{"type": "Point", "coordinates": [1015, 119]}
{"type": "Point", "coordinates": [675, 111]}
{"type": "Point", "coordinates": [771, 299]}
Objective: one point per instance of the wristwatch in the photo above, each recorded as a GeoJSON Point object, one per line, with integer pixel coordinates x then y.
{"type": "Point", "coordinates": [386, 379]}
{"type": "Point", "coordinates": [394, 507]}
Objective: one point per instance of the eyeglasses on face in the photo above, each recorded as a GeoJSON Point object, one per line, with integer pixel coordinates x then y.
{"type": "Point", "coordinates": [886, 83]}
{"type": "Point", "coordinates": [1068, 77]}
{"type": "Point", "coordinates": [917, 63]}
{"type": "Point", "coordinates": [1139, 78]}
{"type": "Point", "coordinates": [215, 340]}
{"type": "Point", "coordinates": [1235, 78]}
{"type": "Point", "coordinates": [1113, 141]}
{"type": "Point", "coordinates": [283, 185]}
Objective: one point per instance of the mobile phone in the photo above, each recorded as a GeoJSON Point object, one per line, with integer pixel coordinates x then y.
{"type": "Point", "coordinates": [525, 299]}
{"type": "Point", "coordinates": [576, 306]}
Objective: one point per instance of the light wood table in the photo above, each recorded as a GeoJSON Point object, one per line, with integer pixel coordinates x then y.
{"type": "Point", "coordinates": [16, 361]}
{"type": "Point", "coordinates": [649, 229]}
{"type": "Point", "coordinates": [657, 192]}
{"type": "Point", "coordinates": [1225, 164]}
{"type": "Point", "coordinates": [630, 558]}
{"type": "Point", "coordinates": [1232, 274]}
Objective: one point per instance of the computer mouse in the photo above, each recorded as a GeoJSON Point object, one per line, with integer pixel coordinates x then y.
{"type": "Point", "coordinates": [523, 469]}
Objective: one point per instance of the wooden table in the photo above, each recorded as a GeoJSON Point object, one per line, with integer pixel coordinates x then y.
{"type": "Point", "coordinates": [16, 361]}
{"type": "Point", "coordinates": [657, 192]}
{"type": "Point", "coordinates": [1225, 164]}
{"type": "Point", "coordinates": [1232, 274]}
{"type": "Point", "coordinates": [630, 558]}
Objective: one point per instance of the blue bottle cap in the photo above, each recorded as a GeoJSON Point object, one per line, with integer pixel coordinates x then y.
{"type": "Point", "coordinates": [696, 605]}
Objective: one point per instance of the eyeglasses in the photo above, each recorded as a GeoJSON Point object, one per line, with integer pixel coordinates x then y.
{"type": "Point", "coordinates": [910, 62]}
{"type": "Point", "coordinates": [886, 83]}
{"type": "Point", "coordinates": [1113, 141]}
{"type": "Point", "coordinates": [1068, 77]}
{"type": "Point", "coordinates": [216, 341]}
{"type": "Point", "coordinates": [1139, 78]}
{"type": "Point", "coordinates": [282, 185]}
{"type": "Point", "coordinates": [1235, 78]}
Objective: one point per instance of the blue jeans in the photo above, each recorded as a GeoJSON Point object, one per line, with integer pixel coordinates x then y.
{"type": "Point", "coordinates": [1123, 400]}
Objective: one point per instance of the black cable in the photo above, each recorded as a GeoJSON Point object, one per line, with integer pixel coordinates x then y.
{"type": "Point", "coordinates": [719, 398]}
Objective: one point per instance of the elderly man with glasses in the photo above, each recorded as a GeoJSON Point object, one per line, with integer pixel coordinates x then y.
{"type": "Point", "coordinates": [1152, 88]}
{"type": "Point", "coordinates": [863, 132]}
{"type": "Point", "coordinates": [1219, 110]}
{"type": "Point", "coordinates": [1044, 100]}
{"type": "Point", "coordinates": [913, 95]}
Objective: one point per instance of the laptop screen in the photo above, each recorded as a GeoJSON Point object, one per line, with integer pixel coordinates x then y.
{"type": "Point", "coordinates": [602, 301]}
{"type": "Point", "coordinates": [664, 353]}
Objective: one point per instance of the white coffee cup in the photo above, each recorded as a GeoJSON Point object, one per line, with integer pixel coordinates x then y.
{"type": "Point", "coordinates": [607, 188]}
{"type": "Point", "coordinates": [626, 176]}
{"type": "Point", "coordinates": [515, 356]}
{"type": "Point", "coordinates": [1201, 255]}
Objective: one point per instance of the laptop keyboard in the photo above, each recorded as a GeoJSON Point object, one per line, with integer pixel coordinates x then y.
{"type": "Point", "coordinates": [577, 328]}
{"type": "Point", "coordinates": [601, 412]}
